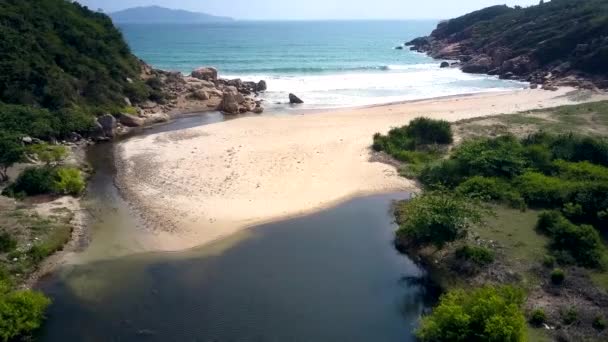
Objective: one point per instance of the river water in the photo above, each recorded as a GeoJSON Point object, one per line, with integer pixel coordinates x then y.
{"type": "Point", "coordinates": [330, 276]}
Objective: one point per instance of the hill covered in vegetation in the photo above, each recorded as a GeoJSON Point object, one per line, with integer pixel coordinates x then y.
{"type": "Point", "coordinates": [62, 64]}
{"type": "Point", "coordinates": [560, 42]}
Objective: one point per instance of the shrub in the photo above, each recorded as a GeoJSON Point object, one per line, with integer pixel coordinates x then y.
{"type": "Point", "coordinates": [7, 242]}
{"type": "Point", "coordinates": [547, 220]}
{"type": "Point", "coordinates": [48, 180]}
{"type": "Point", "coordinates": [425, 131]}
{"type": "Point", "coordinates": [11, 152]}
{"type": "Point", "coordinates": [483, 314]}
{"type": "Point", "coordinates": [538, 317]}
{"type": "Point", "coordinates": [68, 181]}
{"type": "Point", "coordinates": [445, 173]}
{"type": "Point", "coordinates": [581, 171]}
{"type": "Point", "coordinates": [497, 157]}
{"type": "Point", "coordinates": [539, 157]}
{"type": "Point", "coordinates": [34, 181]}
{"type": "Point", "coordinates": [481, 256]}
{"type": "Point", "coordinates": [558, 276]}
{"type": "Point", "coordinates": [548, 261]}
{"type": "Point", "coordinates": [569, 316]}
{"type": "Point", "coordinates": [21, 312]}
{"type": "Point", "coordinates": [436, 218]}
{"type": "Point", "coordinates": [599, 323]}
{"type": "Point", "coordinates": [489, 188]}
{"type": "Point", "coordinates": [542, 190]}
{"type": "Point", "coordinates": [48, 154]}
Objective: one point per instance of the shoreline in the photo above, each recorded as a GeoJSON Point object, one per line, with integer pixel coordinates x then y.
{"type": "Point", "coordinates": [188, 201]}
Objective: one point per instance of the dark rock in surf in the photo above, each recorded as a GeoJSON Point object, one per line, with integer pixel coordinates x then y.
{"type": "Point", "coordinates": [294, 99]}
{"type": "Point", "coordinates": [444, 65]}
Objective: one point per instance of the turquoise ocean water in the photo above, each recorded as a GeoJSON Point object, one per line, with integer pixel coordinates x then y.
{"type": "Point", "coordinates": [326, 63]}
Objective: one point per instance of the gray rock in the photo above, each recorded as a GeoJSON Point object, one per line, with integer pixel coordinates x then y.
{"type": "Point", "coordinates": [156, 118]}
{"type": "Point", "coordinates": [200, 95]}
{"type": "Point", "coordinates": [108, 124]}
{"type": "Point", "coordinates": [128, 102]}
{"type": "Point", "coordinates": [205, 73]}
{"type": "Point", "coordinates": [444, 65]}
{"type": "Point", "coordinates": [478, 65]}
{"type": "Point", "coordinates": [130, 120]}
{"type": "Point", "coordinates": [229, 103]}
{"type": "Point", "coordinates": [293, 99]}
{"type": "Point", "coordinates": [27, 140]}
{"type": "Point", "coordinates": [399, 47]}
{"type": "Point", "coordinates": [261, 86]}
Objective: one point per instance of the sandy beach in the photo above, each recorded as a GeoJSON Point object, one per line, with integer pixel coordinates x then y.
{"type": "Point", "coordinates": [200, 184]}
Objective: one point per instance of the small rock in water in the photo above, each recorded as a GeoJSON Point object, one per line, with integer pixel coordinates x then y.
{"type": "Point", "coordinates": [293, 99]}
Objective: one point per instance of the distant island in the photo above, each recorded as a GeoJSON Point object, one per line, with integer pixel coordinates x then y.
{"type": "Point", "coordinates": [157, 14]}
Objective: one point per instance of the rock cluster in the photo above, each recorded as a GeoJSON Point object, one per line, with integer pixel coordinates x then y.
{"type": "Point", "coordinates": [502, 61]}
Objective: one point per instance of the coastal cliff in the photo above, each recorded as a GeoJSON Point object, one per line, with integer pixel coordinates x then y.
{"type": "Point", "coordinates": [558, 43]}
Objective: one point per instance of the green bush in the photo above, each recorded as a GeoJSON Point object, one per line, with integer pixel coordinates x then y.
{"type": "Point", "coordinates": [496, 157]}
{"type": "Point", "coordinates": [68, 181]}
{"type": "Point", "coordinates": [481, 256]}
{"type": "Point", "coordinates": [7, 242]}
{"type": "Point", "coordinates": [445, 173]}
{"type": "Point", "coordinates": [483, 314]}
{"type": "Point", "coordinates": [48, 180]}
{"type": "Point", "coordinates": [436, 218]}
{"type": "Point", "coordinates": [538, 189]}
{"type": "Point", "coordinates": [34, 181]}
{"type": "Point", "coordinates": [11, 152]}
{"type": "Point", "coordinates": [548, 261]}
{"type": "Point", "coordinates": [425, 131]}
{"type": "Point", "coordinates": [21, 313]}
{"type": "Point", "coordinates": [489, 188]}
{"type": "Point", "coordinates": [599, 323]}
{"type": "Point", "coordinates": [558, 276]}
{"type": "Point", "coordinates": [569, 316]}
{"type": "Point", "coordinates": [538, 317]}
{"type": "Point", "coordinates": [48, 154]}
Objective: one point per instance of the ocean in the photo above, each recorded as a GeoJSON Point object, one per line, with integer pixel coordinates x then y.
{"type": "Point", "coordinates": [326, 63]}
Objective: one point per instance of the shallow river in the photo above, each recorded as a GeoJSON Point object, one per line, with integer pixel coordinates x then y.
{"type": "Point", "coordinates": [329, 276]}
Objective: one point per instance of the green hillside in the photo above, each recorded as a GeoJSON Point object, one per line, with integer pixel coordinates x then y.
{"type": "Point", "coordinates": [61, 64]}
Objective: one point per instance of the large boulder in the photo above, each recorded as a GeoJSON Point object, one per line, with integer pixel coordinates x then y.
{"type": "Point", "coordinates": [230, 104]}
{"type": "Point", "coordinates": [519, 65]}
{"type": "Point", "coordinates": [130, 120]}
{"type": "Point", "coordinates": [261, 86]}
{"type": "Point", "coordinates": [478, 65]}
{"type": "Point", "coordinates": [444, 65]}
{"type": "Point", "coordinates": [156, 118]}
{"type": "Point", "coordinates": [201, 95]}
{"type": "Point", "coordinates": [108, 124]}
{"type": "Point", "coordinates": [293, 99]}
{"type": "Point", "coordinates": [205, 73]}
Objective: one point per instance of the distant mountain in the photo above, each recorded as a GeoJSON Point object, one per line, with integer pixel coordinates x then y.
{"type": "Point", "coordinates": [156, 14]}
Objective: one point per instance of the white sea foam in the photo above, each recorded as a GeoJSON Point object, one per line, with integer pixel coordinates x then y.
{"type": "Point", "coordinates": [357, 88]}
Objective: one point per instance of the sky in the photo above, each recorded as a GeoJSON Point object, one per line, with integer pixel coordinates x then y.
{"type": "Point", "coordinates": [316, 9]}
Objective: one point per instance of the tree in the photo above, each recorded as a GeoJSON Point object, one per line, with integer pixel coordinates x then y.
{"type": "Point", "coordinates": [436, 218]}
{"type": "Point", "coordinates": [11, 152]}
{"type": "Point", "coordinates": [21, 312]}
{"type": "Point", "coordinates": [484, 314]}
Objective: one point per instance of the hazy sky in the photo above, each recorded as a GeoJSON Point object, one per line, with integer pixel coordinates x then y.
{"type": "Point", "coordinates": [317, 9]}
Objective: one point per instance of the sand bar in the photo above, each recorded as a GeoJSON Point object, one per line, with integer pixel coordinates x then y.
{"type": "Point", "coordinates": [196, 185]}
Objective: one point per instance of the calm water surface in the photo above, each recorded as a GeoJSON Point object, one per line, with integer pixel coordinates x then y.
{"type": "Point", "coordinates": [330, 276]}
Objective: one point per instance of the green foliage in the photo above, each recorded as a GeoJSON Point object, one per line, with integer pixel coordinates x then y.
{"type": "Point", "coordinates": [550, 41]}
{"type": "Point", "coordinates": [599, 323]}
{"type": "Point", "coordinates": [11, 152]}
{"type": "Point", "coordinates": [569, 316]}
{"type": "Point", "coordinates": [541, 190]}
{"type": "Point", "coordinates": [481, 256]}
{"type": "Point", "coordinates": [558, 276]}
{"type": "Point", "coordinates": [48, 180]}
{"type": "Point", "coordinates": [538, 317]}
{"type": "Point", "coordinates": [436, 218]}
{"type": "Point", "coordinates": [48, 154]}
{"type": "Point", "coordinates": [548, 261]}
{"type": "Point", "coordinates": [61, 64]}
{"type": "Point", "coordinates": [483, 314]}
{"type": "Point", "coordinates": [21, 312]}
{"type": "Point", "coordinates": [7, 242]}
{"type": "Point", "coordinates": [497, 157]}
{"type": "Point", "coordinates": [491, 188]}
{"type": "Point", "coordinates": [425, 131]}
{"type": "Point", "coordinates": [68, 181]}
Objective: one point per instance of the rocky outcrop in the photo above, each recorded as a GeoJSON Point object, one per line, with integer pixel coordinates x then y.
{"type": "Point", "coordinates": [498, 41]}
{"type": "Point", "coordinates": [293, 99]}
{"type": "Point", "coordinates": [130, 120]}
{"type": "Point", "coordinates": [205, 73]}
{"type": "Point", "coordinates": [261, 86]}
{"type": "Point", "coordinates": [108, 124]}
